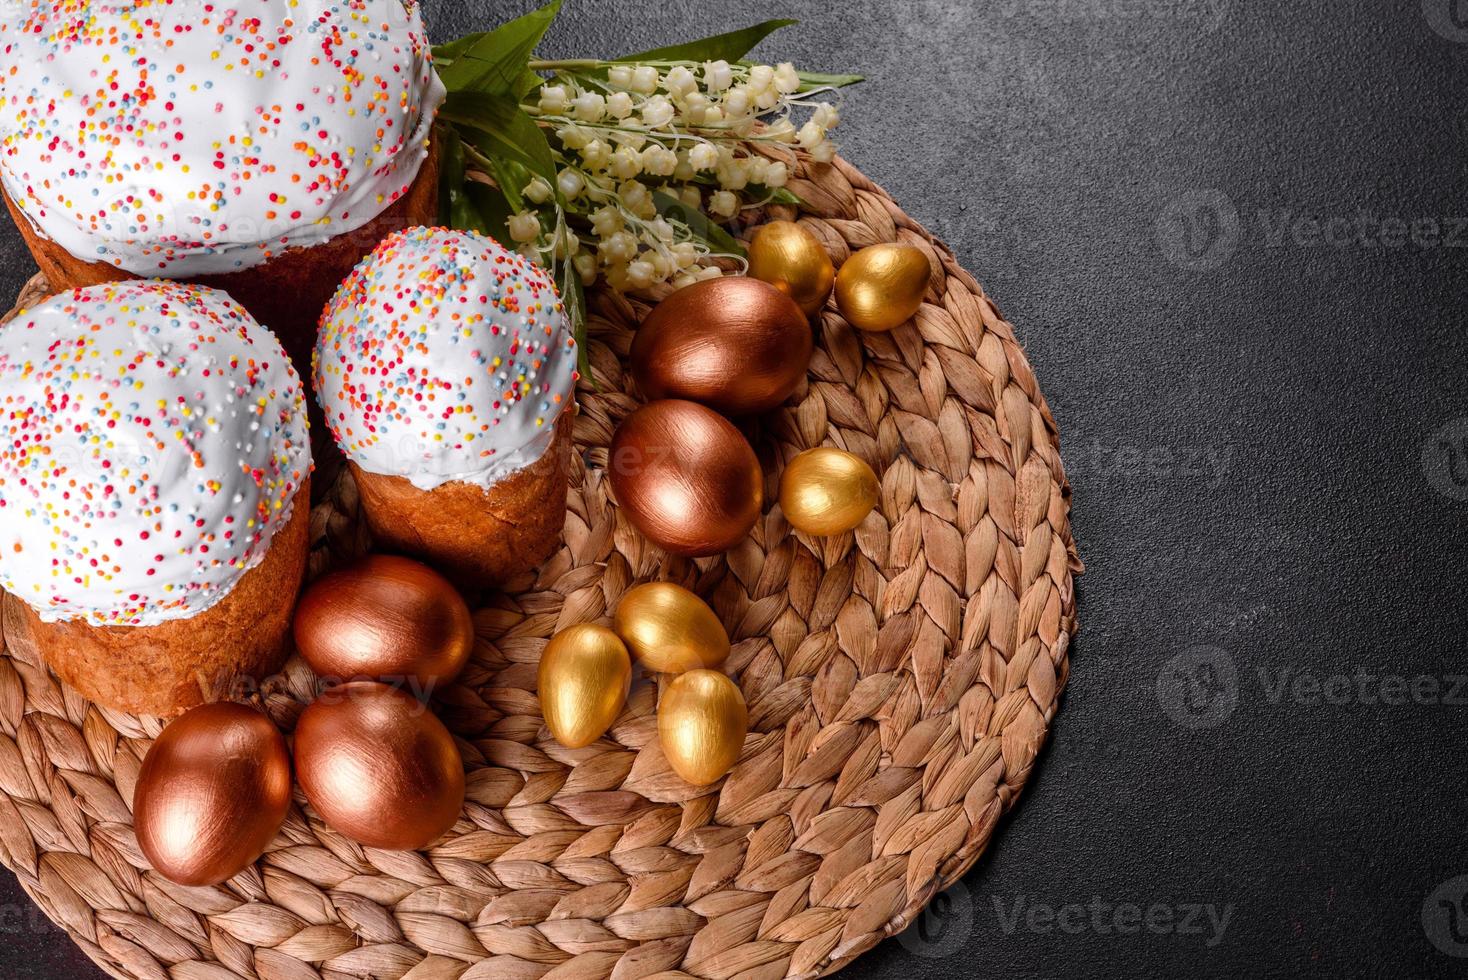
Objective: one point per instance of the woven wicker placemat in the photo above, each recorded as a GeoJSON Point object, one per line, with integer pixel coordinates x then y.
{"type": "Point", "coordinates": [900, 682]}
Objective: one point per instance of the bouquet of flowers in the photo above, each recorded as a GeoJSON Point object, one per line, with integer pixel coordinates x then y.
{"type": "Point", "coordinates": [627, 170]}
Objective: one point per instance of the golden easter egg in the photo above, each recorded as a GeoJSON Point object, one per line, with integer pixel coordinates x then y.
{"type": "Point", "coordinates": [788, 257]}
{"type": "Point", "coordinates": [881, 287]}
{"type": "Point", "coordinates": [669, 629]}
{"type": "Point", "coordinates": [702, 721]}
{"type": "Point", "coordinates": [585, 674]}
{"type": "Point", "coordinates": [827, 491]}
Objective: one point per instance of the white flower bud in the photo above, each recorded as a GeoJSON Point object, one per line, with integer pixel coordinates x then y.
{"type": "Point", "coordinates": [685, 254]}
{"type": "Point", "coordinates": [589, 107]}
{"type": "Point", "coordinates": [570, 183]}
{"type": "Point", "coordinates": [695, 109]}
{"type": "Point", "coordinates": [756, 168]}
{"type": "Point", "coordinates": [597, 155]}
{"type": "Point", "coordinates": [811, 136]}
{"type": "Point", "coordinates": [703, 157]}
{"type": "Point", "coordinates": [537, 191]}
{"type": "Point", "coordinates": [761, 78]}
{"type": "Point", "coordinates": [824, 153]}
{"type": "Point", "coordinates": [717, 75]}
{"type": "Point", "coordinates": [827, 116]}
{"type": "Point", "coordinates": [634, 196]}
{"type": "Point", "coordinates": [712, 116]}
{"type": "Point", "coordinates": [680, 81]}
{"type": "Point", "coordinates": [606, 221]}
{"type": "Point", "coordinates": [724, 204]}
{"type": "Point", "coordinates": [626, 163]}
{"type": "Point", "coordinates": [553, 99]}
{"type": "Point", "coordinates": [691, 197]}
{"type": "Point", "coordinates": [787, 79]}
{"type": "Point", "coordinates": [777, 176]}
{"type": "Point", "coordinates": [573, 137]}
{"type": "Point", "coordinates": [531, 251]}
{"type": "Point", "coordinates": [658, 161]}
{"type": "Point", "coordinates": [524, 227]}
{"type": "Point", "coordinates": [620, 77]}
{"type": "Point", "coordinates": [619, 106]}
{"type": "Point", "coordinates": [732, 175]}
{"type": "Point", "coordinates": [644, 80]}
{"type": "Point", "coordinates": [640, 274]}
{"type": "Point", "coordinates": [737, 102]}
{"type": "Point", "coordinates": [586, 268]}
{"type": "Point", "coordinates": [781, 131]}
{"type": "Point", "coordinates": [660, 229]}
{"type": "Point", "coordinates": [657, 112]}
{"type": "Point", "coordinates": [620, 247]}
{"type": "Point", "coordinates": [710, 272]}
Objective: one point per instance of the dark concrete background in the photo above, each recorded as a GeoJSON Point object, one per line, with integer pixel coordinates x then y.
{"type": "Point", "coordinates": [1266, 424]}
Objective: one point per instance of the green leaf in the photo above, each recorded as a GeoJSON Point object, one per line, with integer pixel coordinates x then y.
{"type": "Point", "coordinates": [699, 223]}
{"type": "Point", "coordinates": [455, 204]}
{"type": "Point", "coordinates": [784, 195]}
{"type": "Point", "coordinates": [812, 80]}
{"type": "Point", "coordinates": [573, 297]}
{"type": "Point", "coordinates": [496, 126]}
{"type": "Point", "coordinates": [496, 60]}
{"type": "Point", "coordinates": [726, 47]}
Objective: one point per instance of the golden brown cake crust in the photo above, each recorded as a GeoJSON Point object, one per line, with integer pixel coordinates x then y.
{"type": "Point", "coordinates": [476, 537]}
{"type": "Point", "coordinates": [164, 669]}
{"type": "Point", "coordinates": [286, 292]}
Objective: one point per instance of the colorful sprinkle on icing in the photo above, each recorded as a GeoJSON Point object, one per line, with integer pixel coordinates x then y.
{"type": "Point", "coordinates": [194, 137]}
{"type": "Point", "coordinates": [152, 440]}
{"type": "Point", "coordinates": [444, 357]}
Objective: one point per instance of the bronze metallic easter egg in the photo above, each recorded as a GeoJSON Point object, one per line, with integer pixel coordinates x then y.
{"type": "Point", "coordinates": [385, 618]}
{"type": "Point", "coordinates": [735, 344]}
{"type": "Point", "coordinates": [827, 491]}
{"type": "Point", "coordinates": [882, 286]}
{"type": "Point", "coordinates": [378, 767]}
{"type": "Point", "coordinates": [702, 721]}
{"type": "Point", "coordinates": [669, 629]}
{"type": "Point", "coordinates": [212, 793]}
{"type": "Point", "coordinates": [585, 674]}
{"type": "Point", "coordinates": [686, 477]}
{"type": "Point", "coordinates": [785, 255]}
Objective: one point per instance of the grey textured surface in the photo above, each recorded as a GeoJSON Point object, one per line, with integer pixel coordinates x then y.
{"type": "Point", "coordinates": [1266, 424]}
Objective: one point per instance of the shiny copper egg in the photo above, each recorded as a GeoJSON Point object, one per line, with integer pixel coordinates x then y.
{"type": "Point", "coordinates": [686, 477]}
{"type": "Point", "coordinates": [735, 344]}
{"type": "Point", "coordinates": [385, 618]}
{"type": "Point", "coordinates": [826, 491]}
{"type": "Point", "coordinates": [669, 629]}
{"type": "Point", "coordinates": [788, 257]}
{"type": "Point", "coordinates": [378, 767]}
{"type": "Point", "coordinates": [585, 674]}
{"type": "Point", "coordinates": [881, 287]}
{"type": "Point", "coordinates": [702, 721]}
{"type": "Point", "coordinates": [212, 793]}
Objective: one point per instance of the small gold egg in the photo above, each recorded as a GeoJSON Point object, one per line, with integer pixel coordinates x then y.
{"type": "Point", "coordinates": [788, 257]}
{"type": "Point", "coordinates": [827, 491]}
{"type": "Point", "coordinates": [585, 674]}
{"type": "Point", "coordinates": [702, 721]}
{"type": "Point", "coordinates": [669, 629]}
{"type": "Point", "coordinates": [881, 287]}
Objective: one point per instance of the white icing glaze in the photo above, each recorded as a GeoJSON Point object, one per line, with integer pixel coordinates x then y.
{"type": "Point", "coordinates": [194, 137]}
{"type": "Point", "coordinates": [444, 358]}
{"type": "Point", "coordinates": [152, 439]}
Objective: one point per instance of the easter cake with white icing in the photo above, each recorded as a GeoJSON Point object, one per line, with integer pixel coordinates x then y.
{"type": "Point", "coordinates": [154, 490]}
{"type": "Point", "coordinates": [446, 369]}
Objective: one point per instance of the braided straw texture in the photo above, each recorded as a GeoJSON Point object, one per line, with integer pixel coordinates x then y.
{"type": "Point", "coordinates": [900, 680]}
